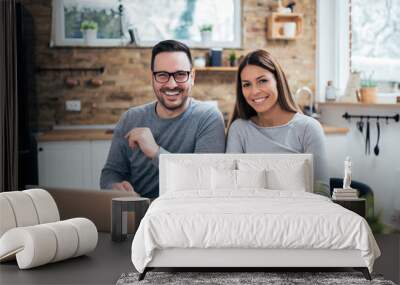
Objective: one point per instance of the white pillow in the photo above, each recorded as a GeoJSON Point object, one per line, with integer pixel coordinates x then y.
{"type": "Point", "coordinates": [182, 177]}
{"type": "Point", "coordinates": [281, 174]}
{"type": "Point", "coordinates": [251, 178]}
{"type": "Point", "coordinates": [227, 179]}
{"type": "Point", "coordinates": [293, 179]}
{"type": "Point", "coordinates": [223, 179]}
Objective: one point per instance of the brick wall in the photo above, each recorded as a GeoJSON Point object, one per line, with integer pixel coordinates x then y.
{"type": "Point", "coordinates": [127, 77]}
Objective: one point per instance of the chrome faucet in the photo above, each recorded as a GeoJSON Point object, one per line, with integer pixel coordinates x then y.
{"type": "Point", "coordinates": [310, 111]}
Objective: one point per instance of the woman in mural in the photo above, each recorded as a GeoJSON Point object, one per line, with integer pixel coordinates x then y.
{"type": "Point", "coordinates": [266, 119]}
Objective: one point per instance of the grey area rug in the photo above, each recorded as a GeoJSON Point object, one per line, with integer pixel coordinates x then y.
{"type": "Point", "coordinates": [229, 278]}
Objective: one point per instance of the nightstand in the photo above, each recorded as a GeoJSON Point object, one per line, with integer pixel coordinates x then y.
{"type": "Point", "coordinates": [356, 205]}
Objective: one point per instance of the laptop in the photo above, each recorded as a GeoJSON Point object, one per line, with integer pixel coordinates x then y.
{"type": "Point", "coordinates": [94, 205]}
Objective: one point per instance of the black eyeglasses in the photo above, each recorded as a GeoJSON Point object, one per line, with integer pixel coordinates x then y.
{"type": "Point", "coordinates": [180, 76]}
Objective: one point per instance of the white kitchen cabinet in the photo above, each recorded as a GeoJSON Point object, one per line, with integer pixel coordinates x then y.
{"type": "Point", "coordinates": [98, 153]}
{"type": "Point", "coordinates": [71, 164]}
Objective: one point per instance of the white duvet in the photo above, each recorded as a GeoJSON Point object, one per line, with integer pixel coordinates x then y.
{"type": "Point", "coordinates": [252, 218]}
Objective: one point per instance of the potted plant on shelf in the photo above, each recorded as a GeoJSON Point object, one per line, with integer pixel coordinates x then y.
{"type": "Point", "coordinates": [89, 31]}
{"type": "Point", "coordinates": [368, 90]}
{"type": "Point", "coordinates": [232, 59]}
{"type": "Point", "coordinates": [206, 33]}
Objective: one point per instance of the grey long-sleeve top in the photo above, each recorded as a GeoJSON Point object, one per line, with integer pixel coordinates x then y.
{"type": "Point", "coordinates": [302, 134]}
{"type": "Point", "coordinates": [200, 129]}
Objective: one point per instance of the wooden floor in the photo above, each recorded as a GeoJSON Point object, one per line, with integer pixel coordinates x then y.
{"type": "Point", "coordinates": [110, 260]}
{"type": "Point", "coordinates": [389, 262]}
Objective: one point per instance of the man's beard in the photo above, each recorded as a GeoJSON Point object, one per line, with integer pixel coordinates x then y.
{"type": "Point", "coordinates": [160, 98]}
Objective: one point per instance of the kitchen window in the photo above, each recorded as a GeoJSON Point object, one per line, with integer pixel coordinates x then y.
{"type": "Point", "coordinates": [67, 16]}
{"type": "Point", "coordinates": [375, 42]}
{"type": "Point", "coordinates": [147, 22]}
{"type": "Point", "coordinates": [358, 35]}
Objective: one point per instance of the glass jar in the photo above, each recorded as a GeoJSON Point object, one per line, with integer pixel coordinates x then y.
{"type": "Point", "coordinates": [330, 92]}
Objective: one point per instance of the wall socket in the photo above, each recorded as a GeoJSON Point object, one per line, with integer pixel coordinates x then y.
{"type": "Point", "coordinates": [73, 105]}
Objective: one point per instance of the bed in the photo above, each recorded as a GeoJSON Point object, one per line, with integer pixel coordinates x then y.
{"type": "Point", "coordinates": [246, 211]}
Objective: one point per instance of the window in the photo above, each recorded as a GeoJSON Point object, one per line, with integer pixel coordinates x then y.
{"type": "Point", "coordinates": [69, 14]}
{"type": "Point", "coordinates": [148, 22]}
{"type": "Point", "coordinates": [375, 41]}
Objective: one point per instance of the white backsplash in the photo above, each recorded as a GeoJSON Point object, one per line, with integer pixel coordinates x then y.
{"type": "Point", "coordinates": [381, 172]}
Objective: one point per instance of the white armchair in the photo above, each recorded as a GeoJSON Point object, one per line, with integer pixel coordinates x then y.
{"type": "Point", "coordinates": [31, 230]}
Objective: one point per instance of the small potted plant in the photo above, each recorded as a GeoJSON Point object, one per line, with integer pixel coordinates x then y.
{"type": "Point", "coordinates": [206, 33]}
{"type": "Point", "coordinates": [232, 59]}
{"type": "Point", "coordinates": [89, 31]}
{"type": "Point", "coordinates": [368, 90]}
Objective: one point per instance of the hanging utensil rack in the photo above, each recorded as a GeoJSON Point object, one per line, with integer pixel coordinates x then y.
{"type": "Point", "coordinates": [348, 116]}
{"type": "Point", "coordinates": [98, 70]}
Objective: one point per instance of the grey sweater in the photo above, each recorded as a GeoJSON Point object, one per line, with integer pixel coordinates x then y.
{"type": "Point", "coordinates": [200, 129]}
{"type": "Point", "coordinates": [302, 134]}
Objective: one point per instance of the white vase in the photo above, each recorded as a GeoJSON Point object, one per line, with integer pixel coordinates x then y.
{"type": "Point", "coordinates": [206, 36]}
{"type": "Point", "coordinates": [90, 37]}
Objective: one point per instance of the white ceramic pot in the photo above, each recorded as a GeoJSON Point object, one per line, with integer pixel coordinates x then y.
{"type": "Point", "coordinates": [90, 37]}
{"type": "Point", "coordinates": [206, 36]}
{"type": "Point", "coordinates": [289, 30]}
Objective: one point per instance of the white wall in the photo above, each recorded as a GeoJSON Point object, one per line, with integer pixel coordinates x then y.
{"type": "Point", "coordinates": [381, 173]}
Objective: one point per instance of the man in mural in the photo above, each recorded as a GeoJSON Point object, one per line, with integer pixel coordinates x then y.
{"type": "Point", "coordinates": [174, 123]}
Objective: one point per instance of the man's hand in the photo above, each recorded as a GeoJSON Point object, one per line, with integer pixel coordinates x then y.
{"type": "Point", "coordinates": [125, 186]}
{"type": "Point", "coordinates": [143, 138]}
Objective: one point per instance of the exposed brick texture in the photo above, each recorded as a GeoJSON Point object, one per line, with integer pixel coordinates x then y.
{"type": "Point", "coordinates": [127, 76]}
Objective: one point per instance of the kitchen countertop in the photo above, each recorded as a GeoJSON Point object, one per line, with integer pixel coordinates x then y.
{"type": "Point", "coordinates": [106, 134]}
{"type": "Point", "coordinates": [76, 135]}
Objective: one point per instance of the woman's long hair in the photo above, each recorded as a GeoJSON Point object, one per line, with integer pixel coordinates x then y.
{"type": "Point", "coordinates": [264, 60]}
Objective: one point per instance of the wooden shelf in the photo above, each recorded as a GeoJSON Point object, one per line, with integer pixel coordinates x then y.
{"type": "Point", "coordinates": [334, 130]}
{"type": "Point", "coordinates": [344, 104]}
{"type": "Point", "coordinates": [217, 68]}
{"type": "Point", "coordinates": [276, 24]}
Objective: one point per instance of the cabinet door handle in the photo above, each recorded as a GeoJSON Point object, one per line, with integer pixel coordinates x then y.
{"type": "Point", "coordinates": [40, 149]}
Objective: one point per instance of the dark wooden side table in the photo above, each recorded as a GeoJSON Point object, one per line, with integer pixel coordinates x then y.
{"type": "Point", "coordinates": [119, 215]}
{"type": "Point", "coordinates": [357, 205]}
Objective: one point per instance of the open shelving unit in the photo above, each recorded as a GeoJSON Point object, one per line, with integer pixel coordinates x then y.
{"type": "Point", "coordinates": [217, 68]}
{"type": "Point", "coordinates": [276, 24]}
